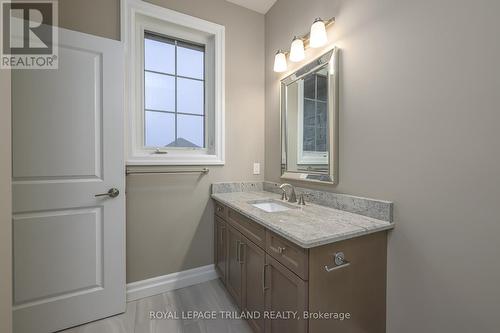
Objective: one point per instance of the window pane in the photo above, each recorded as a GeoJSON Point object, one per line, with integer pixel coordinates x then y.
{"type": "Point", "coordinates": [190, 131]}
{"type": "Point", "coordinates": [159, 128]}
{"type": "Point", "coordinates": [190, 63]}
{"type": "Point", "coordinates": [309, 138]}
{"type": "Point", "coordinates": [321, 137]}
{"type": "Point", "coordinates": [159, 92]}
{"type": "Point", "coordinates": [309, 113]}
{"type": "Point", "coordinates": [321, 114]}
{"type": "Point", "coordinates": [159, 56]}
{"type": "Point", "coordinates": [190, 96]}
{"type": "Point", "coordinates": [310, 87]}
{"type": "Point", "coordinates": [322, 88]}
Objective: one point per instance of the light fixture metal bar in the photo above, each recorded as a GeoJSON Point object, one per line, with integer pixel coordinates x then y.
{"type": "Point", "coordinates": [278, 59]}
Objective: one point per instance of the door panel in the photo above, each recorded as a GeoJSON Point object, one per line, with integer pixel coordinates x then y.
{"type": "Point", "coordinates": [234, 266]}
{"type": "Point", "coordinates": [253, 294]}
{"type": "Point", "coordinates": [41, 248]}
{"type": "Point", "coordinates": [46, 129]}
{"type": "Point", "coordinates": [286, 292]}
{"type": "Point", "coordinates": [69, 246]}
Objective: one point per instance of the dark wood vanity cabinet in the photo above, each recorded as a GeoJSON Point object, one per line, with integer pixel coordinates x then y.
{"type": "Point", "coordinates": [288, 254]}
{"type": "Point", "coordinates": [359, 289]}
{"type": "Point", "coordinates": [269, 274]}
{"type": "Point", "coordinates": [234, 274]}
{"type": "Point", "coordinates": [285, 292]}
{"type": "Point", "coordinates": [254, 260]}
{"type": "Point", "coordinates": [240, 264]}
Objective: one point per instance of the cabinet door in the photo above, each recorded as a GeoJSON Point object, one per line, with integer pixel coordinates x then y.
{"type": "Point", "coordinates": [254, 260]}
{"type": "Point", "coordinates": [285, 291]}
{"type": "Point", "coordinates": [234, 264]}
{"type": "Point", "coordinates": [220, 255]}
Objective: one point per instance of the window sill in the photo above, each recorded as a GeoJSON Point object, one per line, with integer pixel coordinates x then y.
{"type": "Point", "coordinates": [175, 160]}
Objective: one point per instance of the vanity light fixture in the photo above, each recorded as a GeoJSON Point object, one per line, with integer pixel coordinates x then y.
{"type": "Point", "coordinates": [297, 52]}
{"type": "Point", "coordinates": [317, 35]}
{"type": "Point", "coordinates": [280, 62]}
{"type": "Point", "coordinates": [315, 38]}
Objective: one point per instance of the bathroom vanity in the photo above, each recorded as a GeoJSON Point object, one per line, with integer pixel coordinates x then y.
{"type": "Point", "coordinates": [285, 260]}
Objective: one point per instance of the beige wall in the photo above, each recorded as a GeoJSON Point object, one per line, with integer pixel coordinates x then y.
{"type": "Point", "coordinates": [5, 205]}
{"type": "Point", "coordinates": [96, 17]}
{"type": "Point", "coordinates": [419, 125]}
{"type": "Point", "coordinates": [170, 217]}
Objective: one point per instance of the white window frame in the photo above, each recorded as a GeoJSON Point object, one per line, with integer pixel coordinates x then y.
{"type": "Point", "coordinates": [139, 16]}
{"type": "Point", "coordinates": [306, 157]}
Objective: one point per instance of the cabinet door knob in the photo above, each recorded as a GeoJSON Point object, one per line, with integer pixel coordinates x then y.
{"type": "Point", "coordinates": [281, 249]}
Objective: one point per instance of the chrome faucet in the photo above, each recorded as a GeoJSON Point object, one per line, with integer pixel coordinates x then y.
{"type": "Point", "coordinates": [293, 196]}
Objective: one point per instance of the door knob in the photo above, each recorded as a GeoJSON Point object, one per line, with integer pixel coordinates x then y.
{"type": "Point", "coordinates": [112, 193]}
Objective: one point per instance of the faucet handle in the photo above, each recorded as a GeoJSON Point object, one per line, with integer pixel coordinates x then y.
{"type": "Point", "coordinates": [284, 197]}
{"type": "Point", "coordinates": [301, 199]}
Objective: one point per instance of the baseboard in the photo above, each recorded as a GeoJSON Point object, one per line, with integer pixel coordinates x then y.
{"type": "Point", "coordinates": [162, 284]}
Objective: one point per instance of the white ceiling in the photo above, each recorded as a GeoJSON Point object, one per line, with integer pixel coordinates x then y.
{"type": "Point", "coordinates": [261, 6]}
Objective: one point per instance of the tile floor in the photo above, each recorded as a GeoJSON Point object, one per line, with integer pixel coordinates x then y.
{"type": "Point", "coordinates": [208, 296]}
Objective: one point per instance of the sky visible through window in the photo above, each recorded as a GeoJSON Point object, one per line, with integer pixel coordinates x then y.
{"type": "Point", "coordinates": [174, 93]}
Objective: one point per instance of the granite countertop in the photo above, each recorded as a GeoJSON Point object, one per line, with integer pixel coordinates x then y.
{"type": "Point", "coordinates": [307, 226]}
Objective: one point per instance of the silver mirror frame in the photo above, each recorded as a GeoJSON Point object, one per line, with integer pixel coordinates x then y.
{"type": "Point", "coordinates": [330, 59]}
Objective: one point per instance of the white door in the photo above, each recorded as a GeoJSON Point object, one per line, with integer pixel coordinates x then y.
{"type": "Point", "coordinates": [69, 245]}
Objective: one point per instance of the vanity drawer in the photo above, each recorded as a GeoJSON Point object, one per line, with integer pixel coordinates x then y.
{"type": "Point", "coordinates": [252, 230]}
{"type": "Point", "coordinates": [220, 210]}
{"type": "Point", "coordinates": [288, 254]}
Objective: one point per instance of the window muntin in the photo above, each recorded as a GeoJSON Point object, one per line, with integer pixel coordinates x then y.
{"type": "Point", "coordinates": [174, 93]}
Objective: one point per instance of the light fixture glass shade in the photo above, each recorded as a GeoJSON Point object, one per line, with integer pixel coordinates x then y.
{"type": "Point", "coordinates": [297, 50]}
{"type": "Point", "coordinates": [318, 36]}
{"type": "Point", "coordinates": [280, 62]}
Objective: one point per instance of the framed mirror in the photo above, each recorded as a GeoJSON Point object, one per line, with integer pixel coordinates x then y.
{"type": "Point", "coordinates": [309, 121]}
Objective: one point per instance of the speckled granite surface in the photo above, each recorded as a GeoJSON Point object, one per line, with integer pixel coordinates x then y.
{"type": "Point", "coordinates": [307, 226]}
{"type": "Point", "coordinates": [378, 209]}
{"type": "Point", "coordinates": [237, 187]}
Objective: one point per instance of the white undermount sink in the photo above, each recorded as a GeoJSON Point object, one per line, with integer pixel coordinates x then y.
{"type": "Point", "coordinates": [271, 206]}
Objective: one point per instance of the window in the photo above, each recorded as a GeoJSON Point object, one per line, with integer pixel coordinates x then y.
{"type": "Point", "coordinates": [174, 93]}
{"type": "Point", "coordinates": [175, 111]}
{"type": "Point", "coordinates": [315, 113]}
{"type": "Point", "coordinates": [313, 120]}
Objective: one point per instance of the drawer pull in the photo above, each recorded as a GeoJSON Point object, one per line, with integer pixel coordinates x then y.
{"type": "Point", "coordinates": [219, 209]}
{"type": "Point", "coordinates": [238, 251]}
{"type": "Point", "coordinates": [222, 232]}
{"type": "Point", "coordinates": [278, 249]}
{"type": "Point", "coordinates": [264, 288]}
{"type": "Point", "coordinates": [242, 252]}
{"type": "Point", "coordinates": [240, 245]}
{"type": "Point", "coordinates": [340, 262]}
